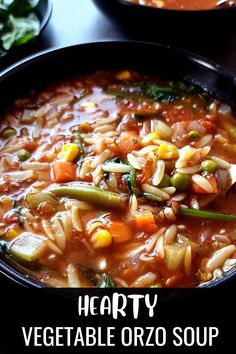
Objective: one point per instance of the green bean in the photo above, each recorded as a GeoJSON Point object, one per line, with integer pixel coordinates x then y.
{"type": "Point", "coordinates": [90, 194]}
{"type": "Point", "coordinates": [153, 197]}
{"type": "Point", "coordinates": [206, 214]}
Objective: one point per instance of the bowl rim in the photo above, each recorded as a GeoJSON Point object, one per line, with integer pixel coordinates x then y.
{"type": "Point", "coordinates": [172, 11]}
{"type": "Point", "coordinates": [5, 267]}
{"type": "Point", "coordinates": [47, 15]}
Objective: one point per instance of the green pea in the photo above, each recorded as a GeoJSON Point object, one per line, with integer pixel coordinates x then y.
{"type": "Point", "coordinates": [180, 181]}
{"type": "Point", "coordinates": [8, 133]}
{"type": "Point", "coordinates": [209, 166]}
{"type": "Point", "coordinates": [194, 135]}
{"type": "Point", "coordinates": [23, 155]}
{"type": "Point", "coordinates": [232, 132]}
{"type": "Point", "coordinates": [165, 182]}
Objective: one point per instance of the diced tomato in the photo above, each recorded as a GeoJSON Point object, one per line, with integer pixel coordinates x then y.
{"type": "Point", "coordinates": [128, 142]}
{"type": "Point", "coordinates": [147, 172]}
{"type": "Point", "coordinates": [30, 145]}
{"type": "Point", "coordinates": [199, 190]}
{"type": "Point", "coordinates": [64, 171]}
{"type": "Point", "coordinates": [208, 125]}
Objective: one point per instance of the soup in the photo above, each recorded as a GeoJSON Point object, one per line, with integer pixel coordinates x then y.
{"type": "Point", "coordinates": [118, 179]}
{"type": "Point", "coordinates": [184, 4]}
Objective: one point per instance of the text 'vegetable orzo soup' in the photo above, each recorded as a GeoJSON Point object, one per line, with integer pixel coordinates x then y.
{"type": "Point", "coordinates": [118, 179]}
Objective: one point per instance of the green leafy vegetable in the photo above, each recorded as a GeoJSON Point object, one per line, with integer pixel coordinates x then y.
{"type": "Point", "coordinates": [22, 7]}
{"type": "Point", "coordinates": [131, 180]}
{"type": "Point", "coordinates": [160, 93]}
{"type": "Point", "coordinates": [207, 214]}
{"type": "Point", "coordinates": [105, 281]}
{"type": "Point", "coordinates": [18, 23]}
{"type": "Point", "coordinates": [140, 91]}
{"type": "Point", "coordinates": [116, 160]}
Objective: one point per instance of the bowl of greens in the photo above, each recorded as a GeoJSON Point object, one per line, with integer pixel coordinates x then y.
{"type": "Point", "coordinates": [21, 21]}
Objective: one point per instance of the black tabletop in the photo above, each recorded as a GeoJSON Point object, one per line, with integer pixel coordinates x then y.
{"type": "Point", "coordinates": [78, 21]}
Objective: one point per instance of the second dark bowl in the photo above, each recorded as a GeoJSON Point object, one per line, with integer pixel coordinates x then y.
{"type": "Point", "coordinates": [156, 23]}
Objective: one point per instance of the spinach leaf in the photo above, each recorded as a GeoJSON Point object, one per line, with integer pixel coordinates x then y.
{"type": "Point", "coordinates": [160, 93]}
{"type": "Point", "coordinates": [141, 91]}
{"type": "Point", "coordinates": [18, 31]}
{"type": "Point", "coordinates": [131, 180]}
{"type": "Point", "coordinates": [18, 24]}
{"type": "Point", "coordinates": [22, 7]}
{"type": "Point", "coordinates": [105, 281]}
{"type": "Point", "coordinates": [3, 13]}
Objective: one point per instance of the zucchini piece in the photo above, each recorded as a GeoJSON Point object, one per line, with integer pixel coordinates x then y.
{"type": "Point", "coordinates": [28, 247]}
{"type": "Point", "coordinates": [174, 256]}
{"type": "Point", "coordinates": [33, 199]}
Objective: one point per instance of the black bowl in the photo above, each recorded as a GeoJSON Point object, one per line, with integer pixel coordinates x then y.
{"type": "Point", "coordinates": [154, 23]}
{"type": "Point", "coordinates": [37, 71]}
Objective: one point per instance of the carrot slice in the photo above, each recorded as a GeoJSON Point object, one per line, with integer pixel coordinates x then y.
{"type": "Point", "coordinates": [64, 171]}
{"type": "Point", "coordinates": [120, 231]}
{"type": "Point", "coordinates": [144, 221]}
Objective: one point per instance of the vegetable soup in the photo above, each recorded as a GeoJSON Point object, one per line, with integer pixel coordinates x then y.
{"type": "Point", "coordinates": [118, 179]}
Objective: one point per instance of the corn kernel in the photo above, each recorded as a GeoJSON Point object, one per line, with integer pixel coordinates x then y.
{"type": "Point", "coordinates": [11, 234]}
{"type": "Point", "coordinates": [123, 75]}
{"type": "Point", "coordinates": [88, 105]}
{"type": "Point", "coordinates": [69, 152]}
{"type": "Point", "coordinates": [167, 151]}
{"type": "Point", "coordinates": [150, 137]}
{"type": "Point", "coordinates": [94, 225]}
{"type": "Point", "coordinates": [101, 238]}
{"type": "Point", "coordinates": [6, 202]}
{"type": "Point", "coordinates": [205, 276]}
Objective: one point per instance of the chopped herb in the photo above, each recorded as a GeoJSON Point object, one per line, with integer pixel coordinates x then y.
{"type": "Point", "coordinates": [105, 281]}
{"type": "Point", "coordinates": [116, 160]}
{"type": "Point", "coordinates": [131, 180]}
